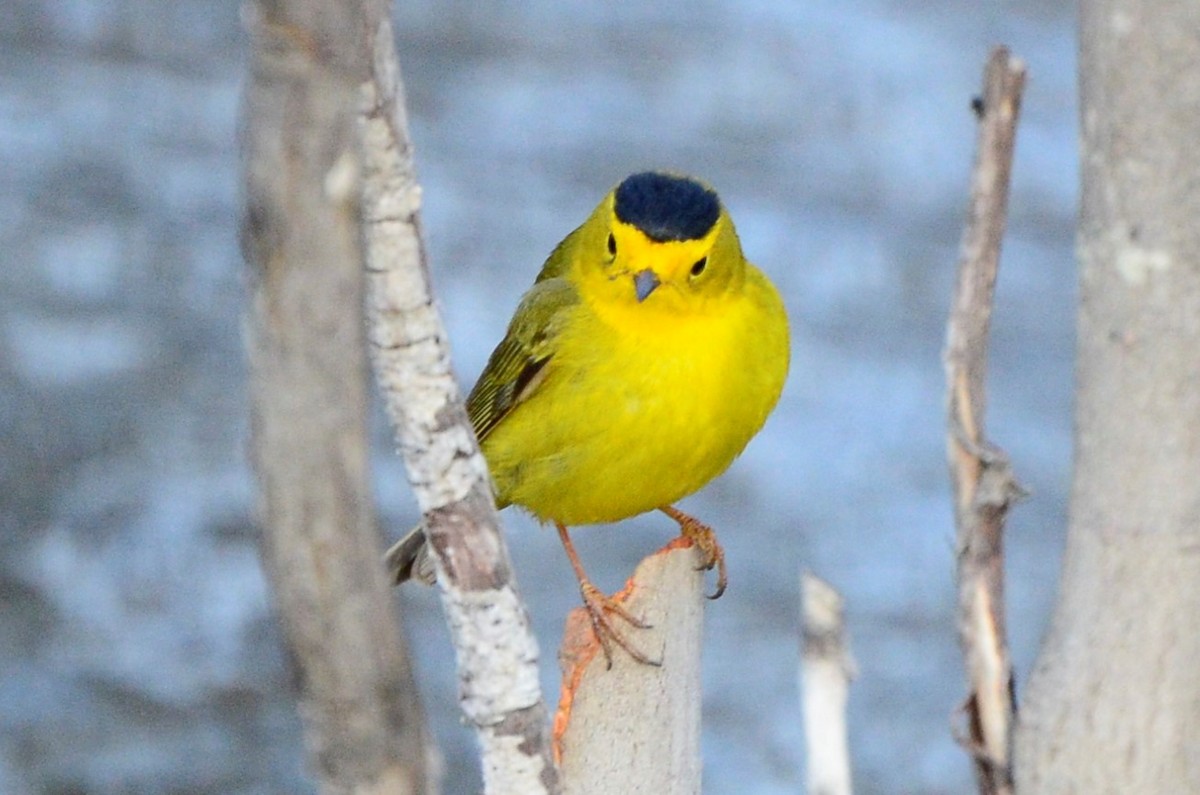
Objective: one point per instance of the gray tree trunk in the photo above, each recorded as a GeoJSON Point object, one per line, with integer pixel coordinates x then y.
{"type": "Point", "coordinates": [307, 347]}
{"type": "Point", "coordinates": [1114, 702]}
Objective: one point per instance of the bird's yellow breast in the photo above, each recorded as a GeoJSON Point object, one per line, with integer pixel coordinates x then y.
{"type": "Point", "coordinates": [639, 409]}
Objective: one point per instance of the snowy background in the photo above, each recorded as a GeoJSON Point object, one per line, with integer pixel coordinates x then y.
{"type": "Point", "coordinates": [138, 652]}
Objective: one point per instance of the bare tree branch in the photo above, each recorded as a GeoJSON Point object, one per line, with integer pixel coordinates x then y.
{"type": "Point", "coordinates": [983, 483]}
{"type": "Point", "coordinates": [636, 727]}
{"type": "Point", "coordinates": [308, 383]}
{"type": "Point", "coordinates": [826, 670]}
{"type": "Point", "coordinates": [497, 652]}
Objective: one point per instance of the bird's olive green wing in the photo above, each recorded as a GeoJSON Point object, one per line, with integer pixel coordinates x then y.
{"type": "Point", "coordinates": [556, 264]}
{"type": "Point", "coordinates": [518, 365]}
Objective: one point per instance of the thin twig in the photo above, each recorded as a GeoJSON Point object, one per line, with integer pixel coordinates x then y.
{"type": "Point", "coordinates": [984, 487]}
{"type": "Point", "coordinates": [826, 671]}
{"type": "Point", "coordinates": [496, 650]}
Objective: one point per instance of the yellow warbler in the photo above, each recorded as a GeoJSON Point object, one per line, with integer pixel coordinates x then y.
{"type": "Point", "coordinates": [644, 358]}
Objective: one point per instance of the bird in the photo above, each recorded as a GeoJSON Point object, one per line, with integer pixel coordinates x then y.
{"type": "Point", "coordinates": [646, 355]}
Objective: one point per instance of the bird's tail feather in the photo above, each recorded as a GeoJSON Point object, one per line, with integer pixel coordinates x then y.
{"type": "Point", "coordinates": [409, 559]}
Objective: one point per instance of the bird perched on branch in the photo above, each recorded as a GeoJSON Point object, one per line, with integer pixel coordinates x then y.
{"type": "Point", "coordinates": [642, 361]}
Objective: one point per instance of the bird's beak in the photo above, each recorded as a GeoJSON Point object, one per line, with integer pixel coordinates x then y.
{"type": "Point", "coordinates": [644, 283]}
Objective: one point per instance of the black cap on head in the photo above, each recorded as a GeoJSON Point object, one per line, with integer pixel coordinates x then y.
{"type": "Point", "coordinates": [666, 207]}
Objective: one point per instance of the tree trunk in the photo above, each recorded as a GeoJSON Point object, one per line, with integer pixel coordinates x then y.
{"type": "Point", "coordinates": [307, 349]}
{"type": "Point", "coordinates": [1114, 702]}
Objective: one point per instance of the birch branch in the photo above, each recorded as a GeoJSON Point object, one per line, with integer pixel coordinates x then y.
{"type": "Point", "coordinates": [826, 670]}
{"type": "Point", "coordinates": [982, 477]}
{"type": "Point", "coordinates": [496, 651]}
{"type": "Point", "coordinates": [635, 728]}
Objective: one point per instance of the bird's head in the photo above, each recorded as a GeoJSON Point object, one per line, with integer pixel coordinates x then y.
{"type": "Point", "coordinates": [661, 243]}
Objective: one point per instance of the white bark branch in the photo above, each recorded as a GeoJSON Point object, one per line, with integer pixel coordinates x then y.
{"type": "Point", "coordinates": [635, 728]}
{"type": "Point", "coordinates": [496, 650]}
{"type": "Point", "coordinates": [826, 670]}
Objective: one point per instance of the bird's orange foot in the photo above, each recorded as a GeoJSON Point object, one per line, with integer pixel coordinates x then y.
{"type": "Point", "coordinates": [600, 606]}
{"type": "Point", "coordinates": [705, 540]}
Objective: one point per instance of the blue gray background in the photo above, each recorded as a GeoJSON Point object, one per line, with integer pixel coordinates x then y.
{"type": "Point", "coordinates": [138, 652]}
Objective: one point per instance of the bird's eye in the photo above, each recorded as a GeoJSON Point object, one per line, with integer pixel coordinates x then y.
{"type": "Point", "coordinates": [699, 266]}
{"type": "Point", "coordinates": [612, 245]}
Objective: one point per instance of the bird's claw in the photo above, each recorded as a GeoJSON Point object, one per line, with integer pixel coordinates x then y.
{"type": "Point", "coordinates": [599, 606]}
{"type": "Point", "coordinates": [712, 555]}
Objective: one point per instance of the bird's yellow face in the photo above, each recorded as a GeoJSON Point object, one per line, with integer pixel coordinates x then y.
{"type": "Point", "coordinates": [659, 245]}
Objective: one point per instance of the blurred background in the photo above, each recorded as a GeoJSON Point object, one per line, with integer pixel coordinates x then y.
{"type": "Point", "coordinates": [138, 651]}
